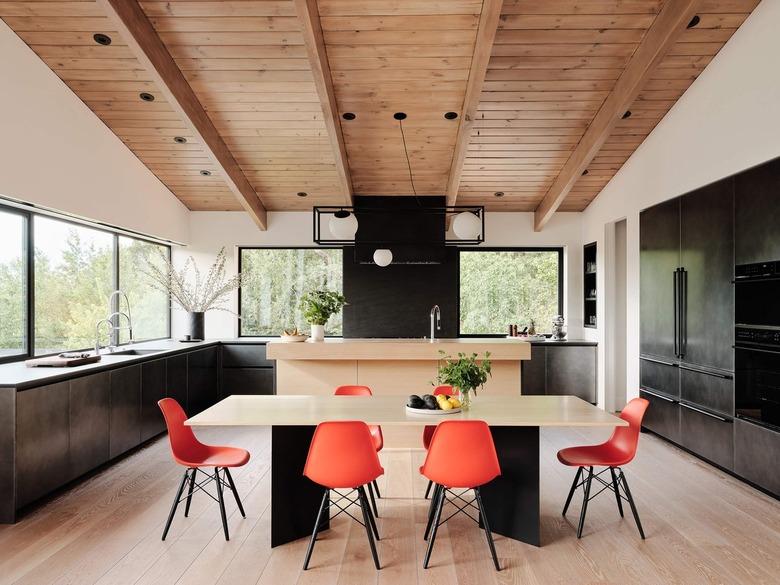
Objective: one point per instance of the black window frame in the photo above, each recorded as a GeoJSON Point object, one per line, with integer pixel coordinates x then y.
{"type": "Point", "coordinates": [241, 288]}
{"type": "Point", "coordinates": [30, 275]}
{"type": "Point", "coordinates": [558, 249]}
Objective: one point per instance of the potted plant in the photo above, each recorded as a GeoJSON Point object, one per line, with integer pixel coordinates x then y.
{"type": "Point", "coordinates": [189, 290]}
{"type": "Point", "coordinates": [318, 306]}
{"type": "Point", "coordinates": [465, 374]}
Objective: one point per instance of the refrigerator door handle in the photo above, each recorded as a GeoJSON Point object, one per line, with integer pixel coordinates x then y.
{"type": "Point", "coordinates": [683, 335]}
{"type": "Point", "coordinates": [676, 312]}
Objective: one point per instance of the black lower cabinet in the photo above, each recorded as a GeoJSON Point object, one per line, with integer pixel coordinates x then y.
{"type": "Point", "coordinates": [659, 377]}
{"type": "Point", "coordinates": [756, 452]}
{"type": "Point", "coordinates": [153, 381]}
{"type": "Point", "coordinates": [125, 410]}
{"type": "Point", "coordinates": [662, 416]}
{"type": "Point", "coordinates": [42, 441]}
{"type": "Point", "coordinates": [560, 370]}
{"type": "Point", "coordinates": [202, 379]}
{"type": "Point", "coordinates": [708, 435]}
{"type": "Point", "coordinates": [258, 381]}
{"type": "Point", "coordinates": [534, 372]}
{"type": "Point", "coordinates": [89, 423]}
{"type": "Point", "coordinates": [176, 379]}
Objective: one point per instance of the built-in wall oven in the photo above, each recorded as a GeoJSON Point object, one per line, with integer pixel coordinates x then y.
{"type": "Point", "coordinates": [757, 343]}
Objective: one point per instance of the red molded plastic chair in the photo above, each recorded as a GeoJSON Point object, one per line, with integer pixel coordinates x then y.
{"type": "Point", "coordinates": [429, 429]}
{"type": "Point", "coordinates": [194, 455]}
{"type": "Point", "coordinates": [619, 450]}
{"type": "Point", "coordinates": [342, 455]}
{"type": "Point", "coordinates": [471, 469]}
{"type": "Point", "coordinates": [376, 434]}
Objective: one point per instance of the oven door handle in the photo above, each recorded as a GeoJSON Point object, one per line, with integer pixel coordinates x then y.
{"type": "Point", "coordinates": [758, 349]}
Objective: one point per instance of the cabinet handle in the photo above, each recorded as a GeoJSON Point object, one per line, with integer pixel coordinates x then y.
{"type": "Point", "coordinates": [706, 372]}
{"type": "Point", "coordinates": [657, 361]}
{"type": "Point", "coordinates": [705, 413]}
{"type": "Point", "coordinates": [654, 395]}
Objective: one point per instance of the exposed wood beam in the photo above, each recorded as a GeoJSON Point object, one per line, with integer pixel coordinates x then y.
{"type": "Point", "coordinates": [309, 17]}
{"type": "Point", "coordinates": [662, 34]}
{"type": "Point", "coordinates": [483, 47]}
{"type": "Point", "coordinates": [148, 48]}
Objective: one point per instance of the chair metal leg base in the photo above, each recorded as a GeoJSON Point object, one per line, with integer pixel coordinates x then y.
{"type": "Point", "coordinates": [221, 501]}
{"type": "Point", "coordinates": [572, 490]}
{"type": "Point", "coordinates": [175, 505]}
{"type": "Point", "coordinates": [317, 522]}
{"type": "Point", "coordinates": [585, 500]}
{"type": "Point", "coordinates": [368, 520]}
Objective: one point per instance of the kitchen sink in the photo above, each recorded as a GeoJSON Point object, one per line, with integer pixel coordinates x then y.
{"type": "Point", "coordinates": [135, 352]}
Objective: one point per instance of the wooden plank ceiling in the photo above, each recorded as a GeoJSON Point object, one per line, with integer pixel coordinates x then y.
{"type": "Point", "coordinates": [552, 65]}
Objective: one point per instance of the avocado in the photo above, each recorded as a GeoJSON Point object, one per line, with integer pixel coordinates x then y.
{"type": "Point", "coordinates": [430, 402]}
{"type": "Point", "coordinates": [415, 402]}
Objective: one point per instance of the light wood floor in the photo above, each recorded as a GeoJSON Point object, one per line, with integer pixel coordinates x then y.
{"type": "Point", "coordinates": [702, 526]}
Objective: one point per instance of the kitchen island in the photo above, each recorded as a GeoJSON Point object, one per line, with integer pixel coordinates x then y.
{"type": "Point", "coordinates": [390, 366]}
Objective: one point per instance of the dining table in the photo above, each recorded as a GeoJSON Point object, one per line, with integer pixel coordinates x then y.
{"type": "Point", "coordinates": [511, 500]}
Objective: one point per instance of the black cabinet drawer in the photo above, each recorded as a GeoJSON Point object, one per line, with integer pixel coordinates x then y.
{"type": "Point", "coordinates": [42, 441]}
{"type": "Point", "coordinates": [756, 452]}
{"type": "Point", "coordinates": [712, 391]}
{"type": "Point", "coordinates": [247, 381]}
{"type": "Point", "coordinates": [202, 380]}
{"type": "Point", "coordinates": [245, 355]}
{"type": "Point", "coordinates": [153, 380]}
{"type": "Point", "coordinates": [571, 370]}
{"type": "Point", "coordinates": [125, 410]}
{"type": "Point", "coordinates": [707, 435]}
{"type": "Point", "coordinates": [89, 423]}
{"type": "Point", "coordinates": [662, 416]}
{"type": "Point", "coordinates": [659, 377]}
{"type": "Point", "coordinates": [176, 379]}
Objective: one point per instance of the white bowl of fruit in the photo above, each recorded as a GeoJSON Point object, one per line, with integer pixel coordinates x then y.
{"type": "Point", "coordinates": [293, 336]}
{"type": "Point", "coordinates": [429, 404]}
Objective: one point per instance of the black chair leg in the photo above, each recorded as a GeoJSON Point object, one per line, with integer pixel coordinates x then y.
{"type": "Point", "coordinates": [175, 503]}
{"type": "Point", "coordinates": [373, 501]}
{"type": "Point", "coordinates": [585, 502]}
{"type": "Point", "coordinates": [439, 499]}
{"type": "Point", "coordinates": [316, 530]}
{"type": "Point", "coordinates": [571, 491]}
{"type": "Point", "coordinates": [221, 500]}
{"type": "Point", "coordinates": [235, 491]}
{"type": "Point", "coordinates": [428, 489]}
{"type": "Point", "coordinates": [486, 526]}
{"type": "Point", "coordinates": [616, 487]}
{"type": "Point", "coordinates": [432, 509]}
{"type": "Point", "coordinates": [189, 493]}
{"type": "Point", "coordinates": [631, 503]}
{"type": "Point", "coordinates": [369, 524]}
{"type": "Point", "coordinates": [376, 489]}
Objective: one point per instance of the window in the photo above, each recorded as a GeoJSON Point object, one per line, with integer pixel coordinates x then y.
{"type": "Point", "coordinates": [275, 279]}
{"type": "Point", "coordinates": [149, 307]}
{"type": "Point", "coordinates": [51, 300]}
{"type": "Point", "coordinates": [13, 284]}
{"type": "Point", "coordinates": [499, 287]}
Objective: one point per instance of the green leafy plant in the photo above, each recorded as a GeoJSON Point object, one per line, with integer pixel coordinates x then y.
{"type": "Point", "coordinates": [319, 305]}
{"type": "Point", "coordinates": [466, 373]}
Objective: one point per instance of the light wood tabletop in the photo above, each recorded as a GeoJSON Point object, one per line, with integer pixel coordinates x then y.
{"type": "Point", "coordinates": [526, 411]}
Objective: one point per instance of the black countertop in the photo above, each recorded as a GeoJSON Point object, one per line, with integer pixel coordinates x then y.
{"type": "Point", "coordinates": [579, 342]}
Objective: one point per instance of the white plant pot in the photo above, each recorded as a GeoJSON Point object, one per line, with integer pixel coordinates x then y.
{"type": "Point", "coordinates": [317, 332]}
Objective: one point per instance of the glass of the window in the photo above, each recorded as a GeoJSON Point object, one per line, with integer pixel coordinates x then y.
{"type": "Point", "coordinates": [150, 308]}
{"type": "Point", "coordinates": [13, 285]}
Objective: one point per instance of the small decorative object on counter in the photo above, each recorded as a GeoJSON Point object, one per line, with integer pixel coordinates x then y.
{"type": "Point", "coordinates": [189, 290]}
{"type": "Point", "coordinates": [532, 328]}
{"type": "Point", "coordinates": [465, 374]}
{"type": "Point", "coordinates": [293, 335]}
{"type": "Point", "coordinates": [318, 306]}
{"type": "Point", "coordinates": [559, 328]}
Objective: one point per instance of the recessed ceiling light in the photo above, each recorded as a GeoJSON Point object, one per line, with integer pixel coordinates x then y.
{"type": "Point", "coordinates": [399, 116]}
{"type": "Point", "coordinates": [179, 139]}
{"type": "Point", "coordinates": [498, 194]}
{"type": "Point", "coordinates": [348, 116]}
{"type": "Point", "coordinates": [147, 97]}
{"type": "Point", "coordinates": [627, 114]}
{"type": "Point", "coordinates": [451, 115]}
{"type": "Point", "coordinates": [205, 173]}
{"type": "Point", "coordinates": [102, 39]}
{"type": "Point", "coordinates": [302, 194]}
{"type": "Point", "coordinates": [585, 172]}
{"type": "Point", "coordinates": [694, 21]}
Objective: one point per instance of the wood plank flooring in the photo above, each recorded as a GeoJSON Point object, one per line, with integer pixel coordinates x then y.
{"type": "Point", "coordinates": [703, 527]}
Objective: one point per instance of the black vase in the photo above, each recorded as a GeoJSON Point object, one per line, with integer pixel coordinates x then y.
{"type": "Point", "coordinates": [195, 322]}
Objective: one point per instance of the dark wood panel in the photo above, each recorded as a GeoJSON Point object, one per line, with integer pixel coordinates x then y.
{"type": "Point", "coordinates": [757, 214]}
{"type": "Point", "coordinates": [533, 376]}
{"type": "Point", "coordinates": [153, 381]}
{"type": "Point", "coordinates": [755, 455]}
{"type": "Point", "coordinates": [202, 379]}
{"type": "Point", "coordinates": [7, 451]}
{"type": "Point", "coordinates": [89, 422]}
{"type": "Point", "coordinates": [242, 355]}
{"type": "Point", "coordinates": [125, 409]}
{"type": "Point", "coordinates": [176, 379]}
{"type": "Point", "coordinates": [572, 371]}
{"type": "Point", "coordinates": [247, 381]}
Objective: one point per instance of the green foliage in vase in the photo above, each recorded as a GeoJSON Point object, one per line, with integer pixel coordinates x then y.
{"type": "Point", "coordinates": [319, 305]}
{"type": "Point", "coordinates": [466, 373]}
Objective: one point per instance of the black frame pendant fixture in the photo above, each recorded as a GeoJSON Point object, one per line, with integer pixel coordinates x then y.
{"type": "Point", "coordinates": [322, 214]}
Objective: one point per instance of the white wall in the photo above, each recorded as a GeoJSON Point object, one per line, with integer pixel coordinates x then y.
{"type": "Point", "coordinates": [56, 153]}
{"type": "Point", "coordinates": [210, 231]}
{"type": "Point", "coordinates": [727, 121]}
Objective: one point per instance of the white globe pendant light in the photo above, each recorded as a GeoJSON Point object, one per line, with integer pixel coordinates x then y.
{"type": "Point", "coordinates": [467, 226]}
{"type": "Point", "coordinates": [343, 225]}
{"type": "Point", "coordinates": [383, 257]}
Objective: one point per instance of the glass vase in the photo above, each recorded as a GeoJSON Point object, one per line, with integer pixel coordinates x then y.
{"type": "Point", "coordinates": [465, 399]}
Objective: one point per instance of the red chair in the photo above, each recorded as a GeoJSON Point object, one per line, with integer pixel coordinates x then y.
{"type": "Point", "coordinates": [471, 469]}
{"type": "Point", "coordinates": [619, 450]}
{"type": "Point", "coordinates": [342, 456]}
{"type": "Point", "coordinates": [376, 434]}
{"type": "Point", "coordinates": [429, 429]}
{"type": "Point", "coordinates": [194, 455]}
